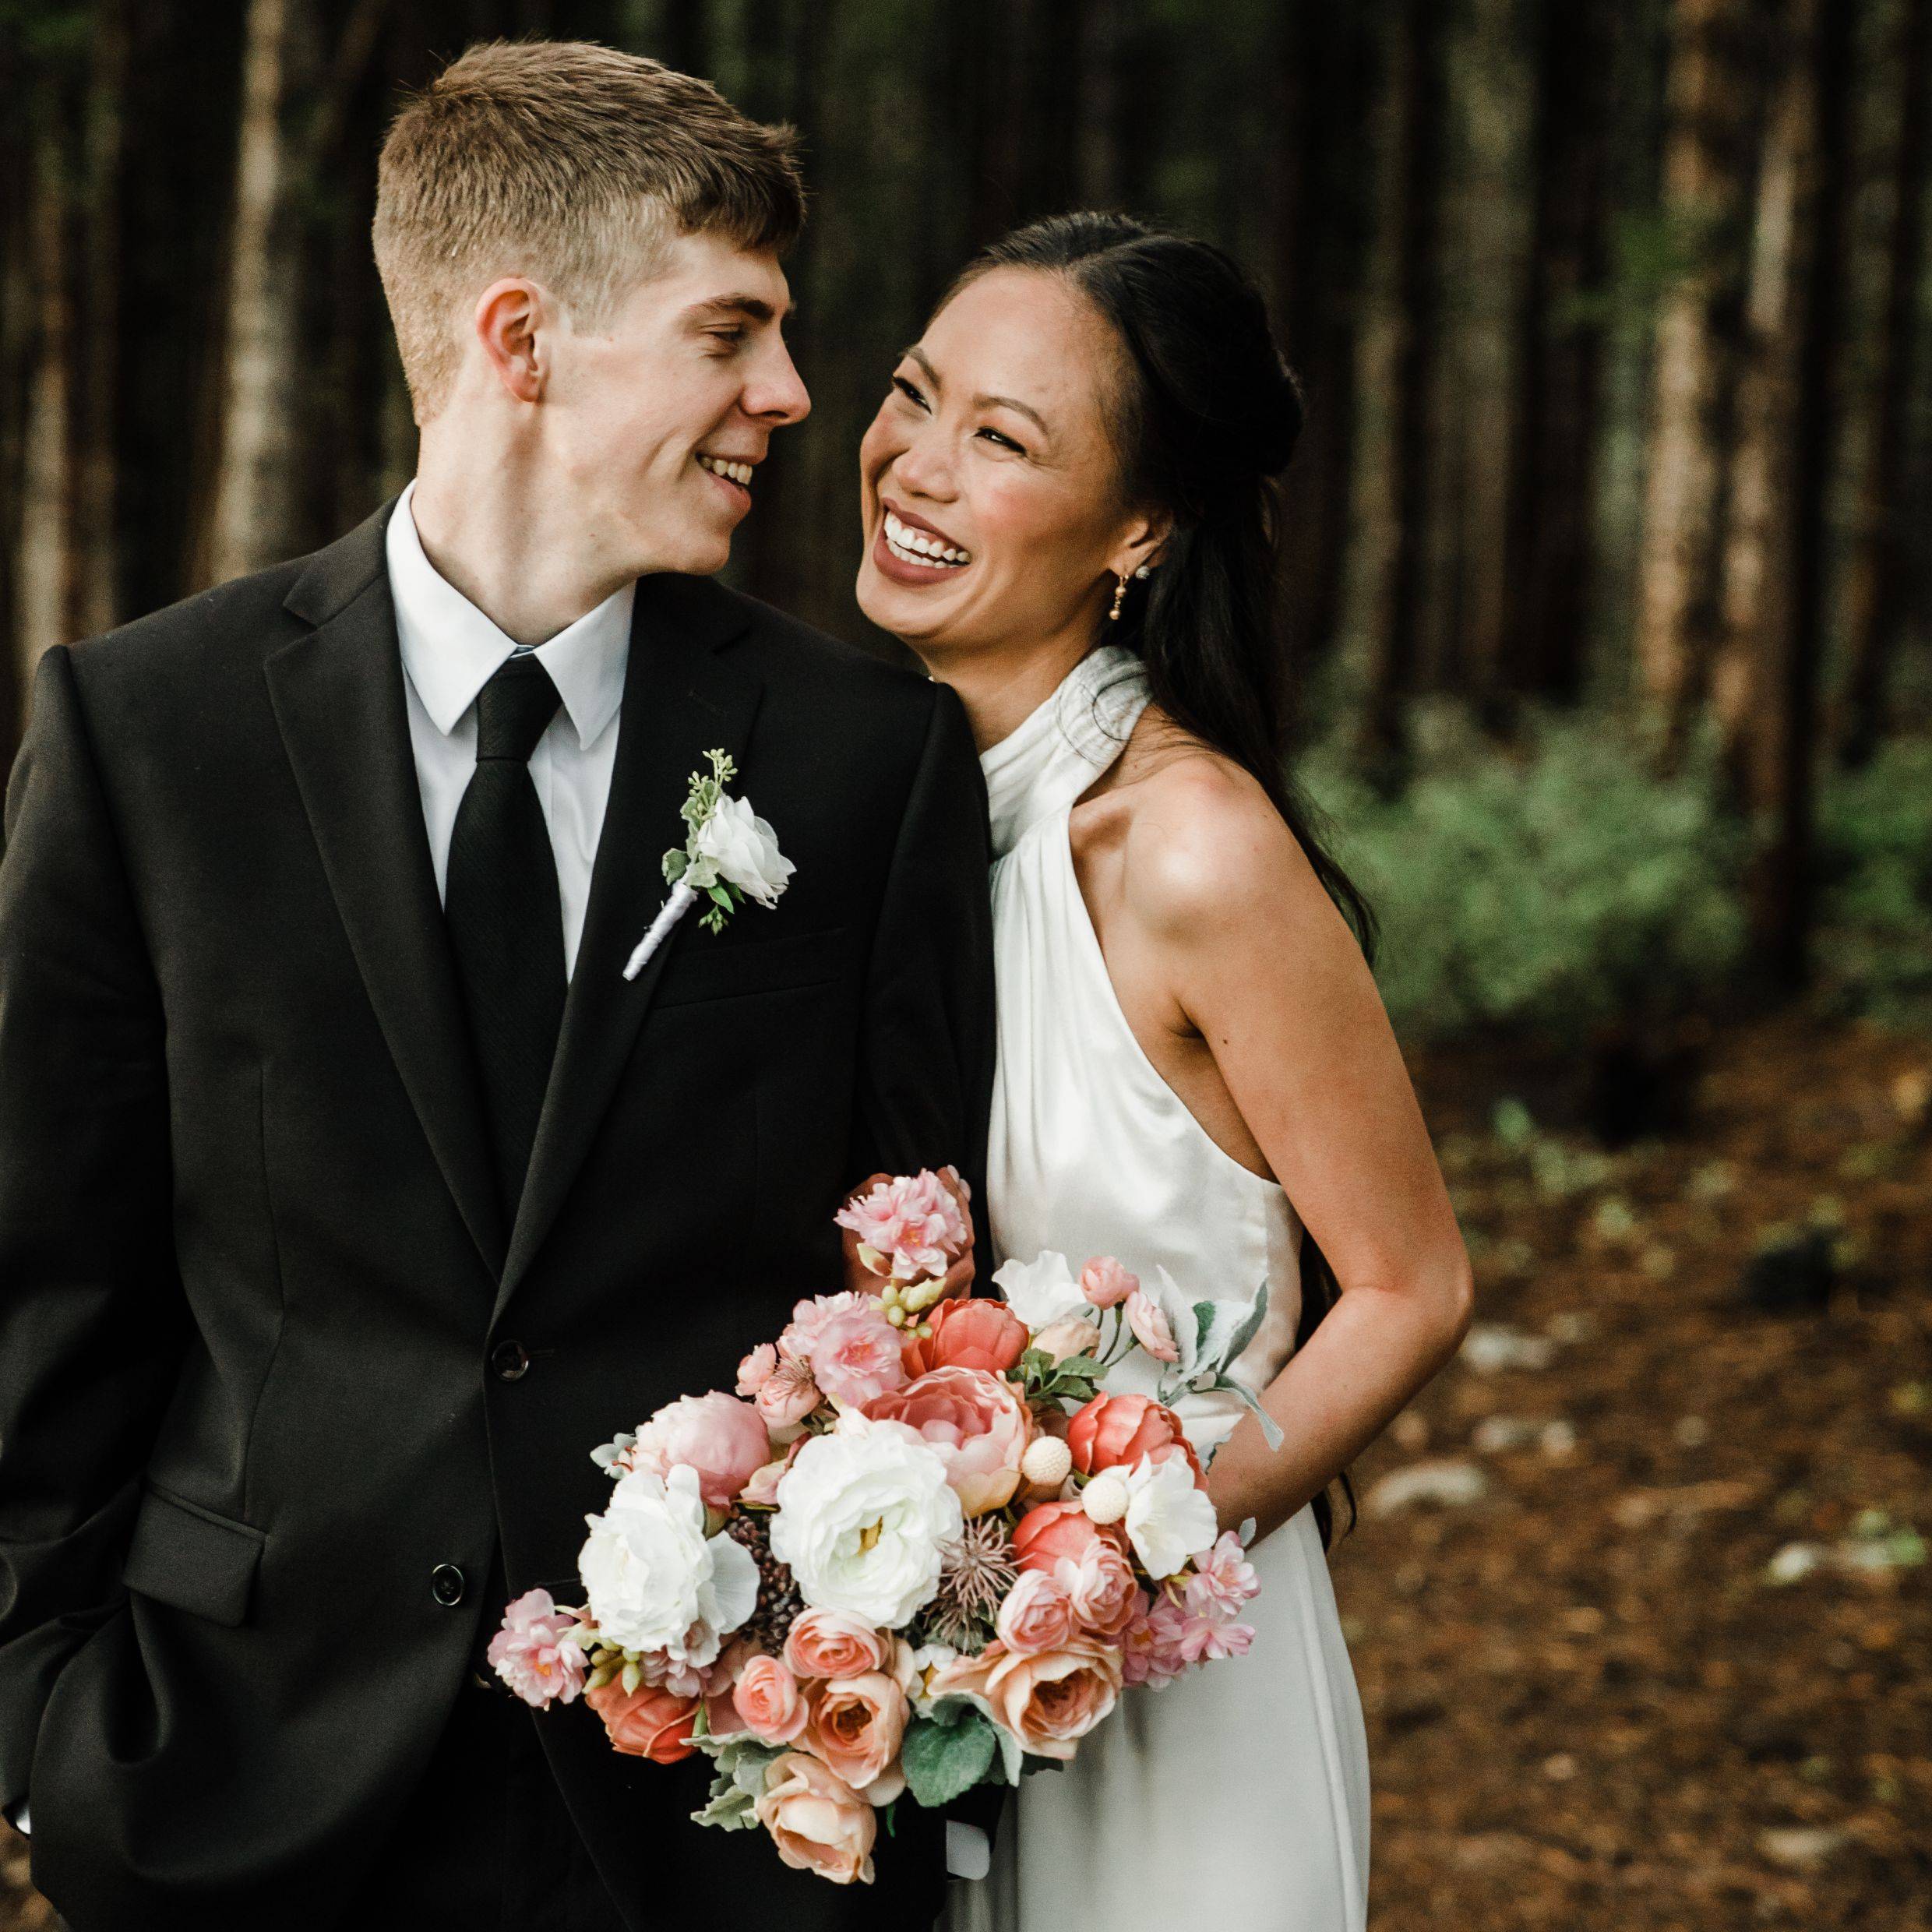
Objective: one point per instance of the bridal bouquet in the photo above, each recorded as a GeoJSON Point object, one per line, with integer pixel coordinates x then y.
{"type": "Point", "coordinates": [917, 1550]}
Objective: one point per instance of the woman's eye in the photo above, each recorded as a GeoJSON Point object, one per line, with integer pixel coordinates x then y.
{"type": "Point", "coordinates": [1004, 442]}
{"type": "Point", "coordinates": [908, 390]}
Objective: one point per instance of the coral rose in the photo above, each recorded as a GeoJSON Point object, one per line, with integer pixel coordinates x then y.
{"type": "Point", "coordinates": [1050, 1530]}
{"type": "Point", "coordinates": [1100, 1587]}
{"type": "Point", "coordinates": [856, 1726]}
{"type": "Point", "coordinates": [1117, 1431]}
{"type": "Point", "coordinates": [835, 1644]}
{"type": "Point", "coordinates": [968, 1332]}
{"type": "Point", "coordinates": [816, 1821]}
{"type": "Point", "coordinates": [1048, 1701]}
{"type": "Point", "coordinates": [767, 1697]}
{"type": "Point", "coordinates": [978, 1424]}
{"type": "Point", "coordinates": [650, 1722]}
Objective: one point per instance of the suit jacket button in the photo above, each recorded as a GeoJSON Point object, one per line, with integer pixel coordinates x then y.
{"type": "Point", "coordinates": [509, 1361]}
{"type": "Point", "coordinates": [445, 1585]}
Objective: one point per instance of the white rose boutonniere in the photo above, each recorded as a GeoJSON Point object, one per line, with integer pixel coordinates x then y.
{"type": "Point", "coordinates": [730, 855]}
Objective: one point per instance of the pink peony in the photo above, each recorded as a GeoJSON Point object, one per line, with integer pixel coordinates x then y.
{"type": "Point", "coordinates": [1148, 1321]}
{"type": "Point", "coordinates": [979, 1425]}
{"type": "Point", "coordinates": [1050, 1531]}
{"type": "Point", "coordinates": [816, 1821]}
{"type": "Point", "coordinates": [536, 1652]}
{"type": "Point", "coordinates": [767, 1697]}
{"type": "Point", "coordinates": [912, 1223]}
{"type": "Point", "coordinates": [857, 1724]}
{"type": "Point", "coordinates": [1115, 1431]}
{"type": "Point", "coordinates": [1099, 1584]}
{"type": "Point", "coordinates": [716, 1434]}
{"type": "Point", "coordinates": [810, 1316]}
{"type": "Point", "coordinates": [1104, 1282]}
{"type": "Point", "coordinates": [855, 1357]}
{"type": "Point", "coordinates": [1038, 1615]}
{"type": "Point", "coordinates": [835, 1644]}
{"type": "Point", "coordinates": [756, 1370]}
{"type": "Point", "coordinates": [968, 1332]}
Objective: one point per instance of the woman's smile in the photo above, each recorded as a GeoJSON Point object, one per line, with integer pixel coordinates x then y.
{"type": "Point", "coordinates": [908, 550]}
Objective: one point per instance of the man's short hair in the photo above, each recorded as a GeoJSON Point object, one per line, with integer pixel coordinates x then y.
{"type": "Point", "coordinates": [572, 163]}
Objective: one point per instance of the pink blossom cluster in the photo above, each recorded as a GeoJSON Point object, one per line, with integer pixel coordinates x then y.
{"type": "Point", "coordinates": [536, 1651]}
{"type": "Point", "coordinates": [914, 1223]}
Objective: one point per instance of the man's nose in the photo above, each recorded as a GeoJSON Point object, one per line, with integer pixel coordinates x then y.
{"type": "Point", "coordinates": [778, 393]}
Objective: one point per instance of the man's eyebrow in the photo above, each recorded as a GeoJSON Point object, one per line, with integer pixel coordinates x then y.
{"type": "Point", "coordinates": [984, 402]}
{"type": "Point", "coordinates": [751, 307]}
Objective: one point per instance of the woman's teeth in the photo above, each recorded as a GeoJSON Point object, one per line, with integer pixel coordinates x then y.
{"type": "Point", "coordinates": [738, 473]}
{"type": "Point", "coordinates": [915, 546]}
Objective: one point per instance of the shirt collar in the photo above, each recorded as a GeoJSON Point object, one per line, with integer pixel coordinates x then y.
{"type": "Point", "coordinates": [451, 649]}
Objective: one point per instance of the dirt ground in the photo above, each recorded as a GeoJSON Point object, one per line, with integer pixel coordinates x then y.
{"type": "Point", "coordinates": [1639, 1602]}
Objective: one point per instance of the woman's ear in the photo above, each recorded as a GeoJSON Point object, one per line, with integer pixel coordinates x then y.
{"type": "Point", "coordinates": [1140, 546]}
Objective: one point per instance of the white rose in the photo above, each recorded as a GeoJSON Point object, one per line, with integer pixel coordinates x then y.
{"type": "Point", "coordinates": [743, 849]}
{"type": "Point", "coordinates": [1041, 1292]}
{"type": "Point", "coordinates": [861, 1515]}
{"type": "Point", "coordinates": [1169, 1518]}
{"type": "Point", "coordinates": [655, 1580]}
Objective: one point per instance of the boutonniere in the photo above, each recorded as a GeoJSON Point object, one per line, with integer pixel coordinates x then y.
{"type": "Point", "coordinates": [730, 855]}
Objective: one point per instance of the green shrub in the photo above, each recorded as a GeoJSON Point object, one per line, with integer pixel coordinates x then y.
{"type": "Point", "coordinates": [1874, 858]}
{"type": "Point", "coordinates": [1540, 890]}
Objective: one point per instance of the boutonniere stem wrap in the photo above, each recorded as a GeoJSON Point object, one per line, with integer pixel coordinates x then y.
{"type": "Point", "coordinates": [731, 854]}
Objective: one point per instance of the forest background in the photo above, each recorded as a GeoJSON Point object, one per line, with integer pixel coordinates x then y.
{"type": "Point", "coordinates": [1604, 602]}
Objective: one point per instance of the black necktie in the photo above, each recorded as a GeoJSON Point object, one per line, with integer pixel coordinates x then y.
{"type": "Point", "coordinates": [505, 916]}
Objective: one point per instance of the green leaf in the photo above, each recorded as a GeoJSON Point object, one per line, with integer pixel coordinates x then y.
{"type": "Point", "coordinates": [675, 861]}
{"type": "Point", "coordinates": [942, 1760]}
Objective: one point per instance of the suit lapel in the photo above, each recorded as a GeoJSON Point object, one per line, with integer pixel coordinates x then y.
{"type": "Point", "coordinates": [339, 700]}
{"type": "Point", "coordinates": [681, 697]}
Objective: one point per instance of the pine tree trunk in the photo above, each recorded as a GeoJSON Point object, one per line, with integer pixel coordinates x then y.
{"type": "Point", "coordinates": [1678, 565]}
{"type": "Point", "coordinates": [1876, 588]}
{"type": "Point", "coordinates": [255, 515]}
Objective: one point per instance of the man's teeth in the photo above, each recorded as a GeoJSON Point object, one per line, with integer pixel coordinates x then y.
{"type": "Point", "coordinates": [738, 472]}
{"type": "Point", "coordinates": [915, 546]}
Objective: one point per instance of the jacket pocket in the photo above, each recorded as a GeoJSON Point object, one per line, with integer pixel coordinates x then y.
{"type": "Point", "coordinates": [703, 969]}
{"type": "Point", "coordinates": [184, 1555]}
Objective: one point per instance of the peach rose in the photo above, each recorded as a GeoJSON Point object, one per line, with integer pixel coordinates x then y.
{"type": "Point", "coordinates": [650, 1722]}
{"type": "Point", "coordinates": [1072, 1335]}
{"type": "Point", "coordinates": [817, 1819]}
{"type": "Point", "coordinates": [1100, 1587]}
{"type": "Point", "coordinates": [856, 1726]}
{"type": "Point", "coordinates": [1038, 1615]}
{"type": "Point", "coordinates": [766, 1696]}
{"type": "Point", "coordinates": [1050, 1530]}
{"type": "Point", "coordinates": [1115, 1431]}
{"type": "Point", "coordinates": [835, 1644]}
{"type": "Point", "coordinates": [1048, 1701]}
{"type": "Point", "coordinates": [968, 1332]}
{"type": "Point", "coordinates": [787, 1395]}
{"type": "Point", "coordinates": [978, 1424]}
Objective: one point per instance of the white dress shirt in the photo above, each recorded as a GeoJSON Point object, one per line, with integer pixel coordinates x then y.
{"type": "Point", "coordinates": [449, 650]}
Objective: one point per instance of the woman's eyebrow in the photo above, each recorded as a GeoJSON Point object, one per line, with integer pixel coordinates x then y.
{"type": "Point", "coordinates": [917, 354]}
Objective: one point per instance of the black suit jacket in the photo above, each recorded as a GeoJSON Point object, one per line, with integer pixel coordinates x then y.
{"type": "Point", "coordinates": [256, 1299]}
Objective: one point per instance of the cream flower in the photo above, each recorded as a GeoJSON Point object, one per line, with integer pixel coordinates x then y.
{"type": "Point", "coordinates": [736, 845]}
{"type": "Point", "coordinates": [862, 1514]}
{"type": "Point", "coordinates": [1042, 1291]}
{"type": "Point", "coordinates": [1168, 1518]}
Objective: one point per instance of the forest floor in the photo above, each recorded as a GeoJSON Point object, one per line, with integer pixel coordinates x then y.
{"type": "Point", "coordinates": [1639, 1602]}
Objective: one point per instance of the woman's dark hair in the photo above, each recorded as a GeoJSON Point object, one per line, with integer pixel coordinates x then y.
{"type": "Point", "coordinates": [1206, 417]}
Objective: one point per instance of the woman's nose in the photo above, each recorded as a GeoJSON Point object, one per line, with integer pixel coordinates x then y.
{"type": "Point", "coordinates": [924, 464]}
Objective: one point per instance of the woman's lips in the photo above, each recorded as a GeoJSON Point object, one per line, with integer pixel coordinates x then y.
{"type": "Point", "coordinates": [890, 565]}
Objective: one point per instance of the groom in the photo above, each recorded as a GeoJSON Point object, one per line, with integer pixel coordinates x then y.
{"type": "Point", "coordinates": [349, 1193]}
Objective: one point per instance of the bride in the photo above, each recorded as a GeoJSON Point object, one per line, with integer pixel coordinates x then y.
{"type": "Point", "coordinates": [1069, 518]}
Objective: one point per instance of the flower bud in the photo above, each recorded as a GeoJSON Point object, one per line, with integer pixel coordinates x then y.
{"type": "Point", "coordinates": [1046, 1462]}
{"type": "Point", "coordinates": [1105, 1499]}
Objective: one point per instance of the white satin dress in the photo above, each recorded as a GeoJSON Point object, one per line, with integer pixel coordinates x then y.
{"type": "Point", "coordinates": [1237, 1797]}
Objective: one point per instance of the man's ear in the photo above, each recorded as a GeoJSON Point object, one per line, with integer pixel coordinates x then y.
{"type": "Point", "coordinates": [508, 321]}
